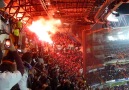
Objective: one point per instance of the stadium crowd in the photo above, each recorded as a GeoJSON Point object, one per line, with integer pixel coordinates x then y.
{"type": "Point", "coordinates": [107, 73]}
{"type": "Point", "coordinates": [56, 66]}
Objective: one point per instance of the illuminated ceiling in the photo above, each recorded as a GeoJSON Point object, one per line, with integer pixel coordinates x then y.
{"type": "Point", "coordinates": [66, 10]}
{"type": "Point", "coordinates": [69, 11]}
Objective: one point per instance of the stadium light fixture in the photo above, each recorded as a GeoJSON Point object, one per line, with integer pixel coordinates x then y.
{"type": "Point", "coordinates": [112, 18]}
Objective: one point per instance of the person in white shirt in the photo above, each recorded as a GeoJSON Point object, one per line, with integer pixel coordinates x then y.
{"type": "Point", "coordinates": [10, 72]}
{"type": "Point", "coordinates": [27, 58]}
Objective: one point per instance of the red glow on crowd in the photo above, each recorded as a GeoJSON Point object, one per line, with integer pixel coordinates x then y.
{"type": "Point", "coordinates": [45, 28]}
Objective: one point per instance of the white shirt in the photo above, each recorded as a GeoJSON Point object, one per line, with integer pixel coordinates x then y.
{"type": "Point", "coordinates": [9, 79]}
{"type": "Point", "coordinates": [23, 82]}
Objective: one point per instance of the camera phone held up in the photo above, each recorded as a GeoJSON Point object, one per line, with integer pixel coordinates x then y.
{"type": "Point", "coordinates": [7, 43]}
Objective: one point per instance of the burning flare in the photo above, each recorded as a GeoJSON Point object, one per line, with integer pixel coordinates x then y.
{"type": "Point", "coordinates": [45, 28]}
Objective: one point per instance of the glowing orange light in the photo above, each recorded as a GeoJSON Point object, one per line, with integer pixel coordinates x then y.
{"type": "Point", "coordinates": [19, 15]}
{"type": "Point", "coordinates": [42, 28]}
{"type": "Point", "coordinates": [48, 3]}
{"type": "Point", "coordinates": [58, 22]}
{"type": "Point", "coordinates": [58, 11]}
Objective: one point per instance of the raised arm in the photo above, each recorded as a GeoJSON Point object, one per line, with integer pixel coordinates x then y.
{"type": "Point", "coordinates": [18, 60]}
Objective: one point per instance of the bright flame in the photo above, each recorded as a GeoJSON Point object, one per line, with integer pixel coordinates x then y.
{"type": "Point", "coordinates": [42, 28]}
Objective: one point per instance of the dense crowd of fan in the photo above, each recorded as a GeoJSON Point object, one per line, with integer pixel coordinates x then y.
{"type": "Point", "coordinates": [56, 66]}
{"type": "Point", "coordinates": [108, 73]}
{"type": "Point", "coordinates": [65, 58]}
{"type": "Point", "coordinates": [115, 49]}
